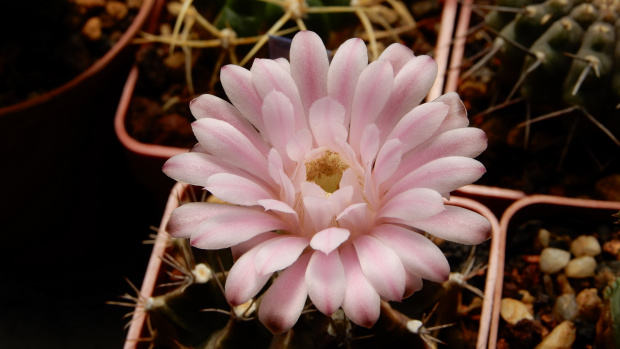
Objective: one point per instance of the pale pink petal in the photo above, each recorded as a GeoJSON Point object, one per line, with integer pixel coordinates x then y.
{"type": "Point", "coordinates": [361, 302]}
{"type": "Point", "coordinates": [344, 71]}
{"type": "Point", "coordinates": [381, 266]}
{"type": "Point", "coordinates": [325, 281]}
{"type": "Point", "coordinates": [196, 168]}
{"type": "Point", "coordinates": [209, 106]}
{"type": "Point", "coordinates": [457, 115]}
{"type": "Point", "coordinates": [277, 114]}
{"type": "Point", "coordinates": [412, 205]}
{"type": "Point", "coordinates": [329, 239]}
{"type": "Point", "coordinates": [185, 218]}
{"type": "Point", "coordinates": [468, 142]}
{"type": "Point", "coordinates": [269, 76]}
{"type": "Point", "coordinates": [237, 83]}
{"type": "Point", "coordinates": [231, 228]}
{"type": "Point", "coordinates": [418, 254]}
{"type": "Point", "coordinates": [279, 253]}
{"type": "Point", "coordinates": [309, 66]}
{"type": "Point", "coordinates": [241, 248]}
{"type": "Point", "coordinates": [419, 124]}
{"type": "Point", "coordinates": [319, 210]}
{"type": "Point", "coordinates": [411, 85]}
{"type": "Point", "coordinates": [341, 198]}
{"type": "Point", "coordinates": [242, 281]}
{"type": "Point", "coordinates": [355, 218]}
{"type": "Point", "coordinates": [326, 120]}
{"type": "Point", "coordinates": [227, 143]}
{"type": "Point", "coordinates": [397, 55]}
{"type": "Point", "coordinates": [284, 63]}
{"type": "Point", "coordinates": [388, 160]}
{"type": "Point", "coordinates": [372, 92]}
{"type": "Point", "coordinates": [276, 205]}
{"type": "Point", "coordinates": [299, 145]}
{"type": "Point", "coordinates": [369, 145]}
{"type": "Point", "coordinates": [414, 283]}
{"type": "Point", "coordinates": [237, 190]}
{"type": "Point", "coordinates": [283, 302]}
{"type": "Point", "coordinates": [443, 175]}
{"type": "Point", "coordinates": [457, 224]}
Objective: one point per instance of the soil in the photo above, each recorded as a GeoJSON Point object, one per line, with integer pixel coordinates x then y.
{"type": "Point", "coordinates": [159, 112]}
{"type": "Point", "coordinates": [55, 42]}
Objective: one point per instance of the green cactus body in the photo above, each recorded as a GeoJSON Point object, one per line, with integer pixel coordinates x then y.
{"type": "Point", "coordinates": [608, 327]}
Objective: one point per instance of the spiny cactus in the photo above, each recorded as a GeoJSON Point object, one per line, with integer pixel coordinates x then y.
{"type": "Point", "coordinates": [560, 59]}
{"type": "Point", "coordinates": [608, 327]}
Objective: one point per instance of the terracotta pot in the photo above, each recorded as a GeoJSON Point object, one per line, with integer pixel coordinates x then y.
{"type": "Point", "coordinates": [44, 142]}
{"type": "Point", "coordinates": [155, 273]}
{"type": "Point", "coordinates": [563, 212]}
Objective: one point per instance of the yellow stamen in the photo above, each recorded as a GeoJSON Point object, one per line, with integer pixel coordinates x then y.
{"type": "Point", "coordinates": [326, 171]}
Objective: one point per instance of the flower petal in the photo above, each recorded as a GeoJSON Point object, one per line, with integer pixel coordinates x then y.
{"type": "Point", "coordinates": [329, 239]}
{"type": "Point", "coordinates": [237, 190]}
{"type": "Point", "coordinates": [242, 281]}
{"type": "Point", "coordinates": [418, 254]}
{"type": "Point", "coordinates": [326, 120]}
{"type": "Point", "coordinates": [209, 106]}
{"type": "Point", "coordinates": [309, 66]}
{"type": "Point", "coordinates": [468, 142]}
{"type": "Point", "coordinates": [237, 83]}
{"type": "Point", "coordinates": [388, 160]}
{"type": "Point", "coordinates": [325, 281]}
{"type": "Point", "coordinates": [283, 302]}
{"type": "Point", "coordinates": [419, 124]}
{"type": "Point", "coordinates": [412, 205]}
{"type": "Point", "coordinates": [277, 114]}
{"type": "Point", "coordinates": [411, 85]}
{"type": "Point", "coordinates": [442, 175]}
{"type": "Point", "coordinates": [361, 302]}
{"type": "Point", "coordinates": [319, 210]}
{"type": "Point", "coordinates": [369, 145]}
{"type": "Point", "coordinates": [373, 90]}
{"type": "Point", "coordinates": [196, 168]}
{"type": "Point", "coordinates": [186, 218]}
{"type": "Point", "coordinates": [228, 229]}
{"type": "Point", "coordinates": [279, 253]}
{"type": "Point", "coordinates": [457, 224]}
{"type": "Point", "coordinates": [224, 141]}
{"type": "Point", "coordinates": [457, 114]}
{"type": "Point", "coordinates": [268, 76]}
{"type": "Point", "coordinates": [397, 55]}
{"type": "Point", "coordinates": [344, 71]}
{"type": "Point", "coordinates": [381, 266]}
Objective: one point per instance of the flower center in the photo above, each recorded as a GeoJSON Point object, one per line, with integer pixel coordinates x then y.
{"type": "Point", "coordinates": [326, 171]}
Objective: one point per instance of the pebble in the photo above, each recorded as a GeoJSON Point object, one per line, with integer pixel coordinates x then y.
{"type": "Point", "coordinates": [612, 247]}
{"type": "Point", "coordinates": [544, 236]}
{"type": "Point", "coordinates": [589, 304]}
{"type": "Point", "coordinates": [513, 311]}
{"type": "Point", "coordinates": [90, 3]}
{"type": "Point", "coordinates": [116, 9]}
{"type": "Point", "coordinates": [92, 28]}
{"type": "Point", "coordinates": [581, 267]}
{"type": "Point", "coordinates": [585, 245]}
{"type": "Point", "coordinates": [553, 260]}
{"type": "Point", "coordinates": [562, 337]}
{"type": "Point", "coordinates": [565, 307]}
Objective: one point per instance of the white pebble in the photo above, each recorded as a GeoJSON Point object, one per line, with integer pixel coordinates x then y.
{"type": "Point", "coordinates": [585, 245]}
{"type": "Point", "coordinates": [553, 260]}
{"type": "Point", "coordinates": [562, 336]}
{"type": "Point", "coordinates": [513, 311]}
{"type": "Point", "coordinates": [581, 267]}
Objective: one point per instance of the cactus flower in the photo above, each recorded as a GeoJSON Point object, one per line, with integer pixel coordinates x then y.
{"type": "Point", "coordinates": [333, 173]}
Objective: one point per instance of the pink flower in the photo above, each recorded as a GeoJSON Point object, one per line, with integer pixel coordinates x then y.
{"type": "Point", "coordinates": [334, 172]}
